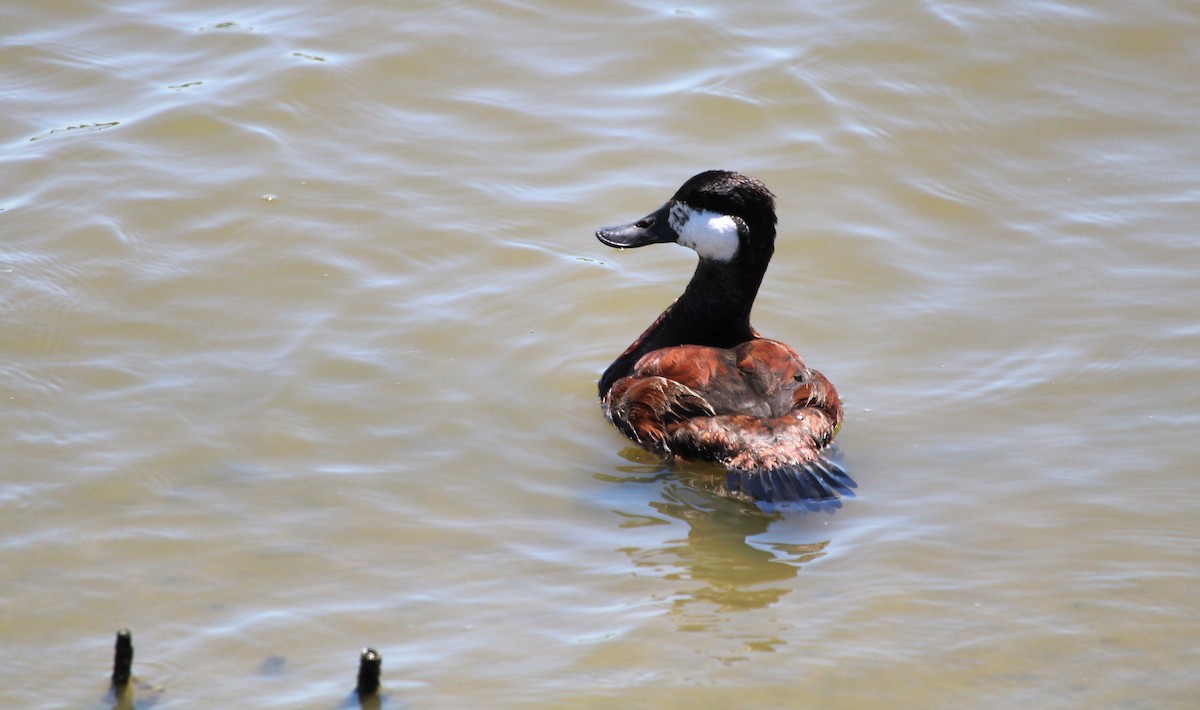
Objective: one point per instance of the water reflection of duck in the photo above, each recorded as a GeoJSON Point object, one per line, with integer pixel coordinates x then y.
{"type": "Point", "coordinates": [700, 382]}
{"type": "Point", "coordinates": [730, 558]}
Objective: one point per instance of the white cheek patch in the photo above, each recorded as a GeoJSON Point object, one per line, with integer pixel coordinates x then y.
{"type": "Point", "coordinates": [713, 236]}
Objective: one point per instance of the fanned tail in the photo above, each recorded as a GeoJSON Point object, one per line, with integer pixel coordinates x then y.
{"type": "Point", "coordinates": [816, 484]}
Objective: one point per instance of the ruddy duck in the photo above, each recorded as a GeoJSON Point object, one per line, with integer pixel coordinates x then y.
{"type": "Point", "coordinates": [701, 383]}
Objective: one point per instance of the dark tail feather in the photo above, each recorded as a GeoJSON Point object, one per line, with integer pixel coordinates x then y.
{"type": "Point", "coordinates": [833, 474]}
{"type": "Point", "coordinates": [816, 484]}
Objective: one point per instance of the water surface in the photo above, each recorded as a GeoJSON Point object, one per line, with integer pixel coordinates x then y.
{"type": "Point", "coordinates": [303, 319]}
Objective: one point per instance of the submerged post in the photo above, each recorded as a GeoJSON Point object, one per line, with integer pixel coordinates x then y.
{"type": "Point", "coordinates": [369, 666]}
{"type": "Point", "coordinates": [122, 659]}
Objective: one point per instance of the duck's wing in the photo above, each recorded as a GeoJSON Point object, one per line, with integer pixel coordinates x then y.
{"type": "Point", "coordinates": [643, 407]}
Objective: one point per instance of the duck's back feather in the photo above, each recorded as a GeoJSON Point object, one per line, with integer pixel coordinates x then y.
{"type": "Point", "coordinates": [755, 408]}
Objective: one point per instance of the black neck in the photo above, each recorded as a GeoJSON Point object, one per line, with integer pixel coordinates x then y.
{"type": "Point", "coordinates": [714, 311]}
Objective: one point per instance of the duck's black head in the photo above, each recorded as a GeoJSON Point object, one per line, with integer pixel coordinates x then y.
{"type": "Point", "coordinates": [724, 216]}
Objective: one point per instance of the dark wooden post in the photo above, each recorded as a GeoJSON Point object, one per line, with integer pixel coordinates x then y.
{"type": "Point", "coordinates": [122, 659]}
{"type": "Point", "coordinates": [369, 666]}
